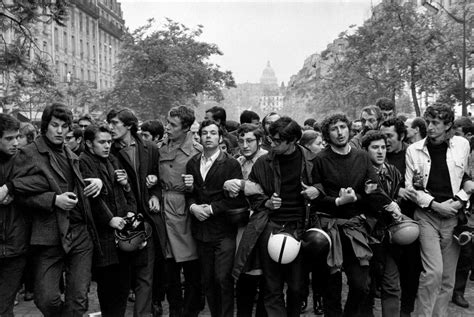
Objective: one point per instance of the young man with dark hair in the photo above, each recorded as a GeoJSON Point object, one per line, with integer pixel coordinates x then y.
{"type": "Point", "coordinates": [347, 206]}
{"type": "Point", "coordinates": [112, 266]}
{"type": "Point", "coordinates": [395, 131]}
{"type": "Point", "coordinates": [209, 203]}
{"type": "Point", "coordinates": [416, 129]}
{"type": "Point", "coordinates": [219, 115]}
{"type": "Point", "coordinates": [308, 124]}
{"type": "Point", "coordinates": [266, 122]}
{"type": "Point", "coordinates": [140, 159]}
{"type": "Point", "coordinates": [152, 131]}
{"type": "Point", "coordinates": [182, 253]}
{"type": "Point", "coordinates": [387, 107]}
{"type": "Point", "coordinates": [74, 140]}
{"type": "Point", "coordinates": [63, 230]}
{"type": "Point", "coordinates": [284, 175]}
{"type": "Point", "coordinates": [13, 229]}
{"type": "Point", "coordinates": [430, 163]}
{"type": "Point", "coordinates": [251, 117]}
{"type": "Point", "coordinates": [84, 121]}
{"type": "Point", "coordinates": [371, 117]}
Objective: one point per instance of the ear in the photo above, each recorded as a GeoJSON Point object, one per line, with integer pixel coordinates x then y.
{"type": "Point", "coordinates": [220, 139]}
{"type": "Point", "coordinates": [89, 144]}
{"type": "Point", "coordinates": [79, 139]}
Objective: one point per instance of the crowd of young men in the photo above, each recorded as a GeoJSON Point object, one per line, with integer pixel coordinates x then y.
{"type": "Point", "coordinates": [209, 209]}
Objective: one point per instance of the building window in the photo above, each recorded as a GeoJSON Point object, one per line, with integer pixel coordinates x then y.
{"type": "Point", "coordinates": [73, 45]}
{"type": "Point", "coordinates": [65, 42]}
{"type": "Point", "coordinates": [56, 39]}
{"type": "Point", "coordinates": [87, 51]}
{"type": "Point", "coordinates": [82, 74]}
{"type": "Point", "coordinates": [81, 48]}
{"type": "Point", "coordinates": [87, 25]}
{"type": "Point", "coordinates": [93, 53]}
{"type": "Point", "coordinates": [65, 71]}
{"type": "Point", "coordinates": [72, 18]}
{"type": "Point", "coordinates": [80, 22]}
{"type": "Point", "coordinates": [88, 75]}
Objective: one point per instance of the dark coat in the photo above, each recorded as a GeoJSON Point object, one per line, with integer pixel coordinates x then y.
{"type": "Point", "coordinates": [50, 224]}
{"type": "Point", "coordinates": [113, 201]}
{"type": "Point", "coordinates": [266, 173]}
{"type": "Point", "coordinates": [148, 164]}
{"type": "Point", "coordinates": [210, 191]}
{"type": "Point", "coordinates": [14, 227]}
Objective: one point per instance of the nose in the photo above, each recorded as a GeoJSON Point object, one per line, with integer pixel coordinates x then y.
{"type": "Point", "coordinates": [60, 129]}
{"type": "Point", "coordinates": [111, 126]}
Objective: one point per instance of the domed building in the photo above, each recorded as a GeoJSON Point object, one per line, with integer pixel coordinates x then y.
{"type": "Point", "coordinates": [268, 76]}
{"type": "Point", "coordinates": [272, 99]}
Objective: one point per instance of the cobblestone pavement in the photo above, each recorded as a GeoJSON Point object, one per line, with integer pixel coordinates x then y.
{"type": "Point", "coordinates": [28, 309]}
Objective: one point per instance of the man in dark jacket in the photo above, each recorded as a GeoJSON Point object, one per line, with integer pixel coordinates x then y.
{"type": "Point", "coordinates": [13, 230]}
{"type": "Point", "coordinates": [62, 226]}
{"type": "Point", "coordinates": [284, 175]}
{"type": "Point", "coordinates": [112, 266]}
{"type": "Point", "coordinates": [140, 160]}
{"type": "Point", "coordinates": [208, 203]}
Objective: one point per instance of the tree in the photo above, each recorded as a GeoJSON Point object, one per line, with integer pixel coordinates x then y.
{"type": "Point", "coordinates": [160, 68]}
{"type": "Point", "coordinates": [22, 63]}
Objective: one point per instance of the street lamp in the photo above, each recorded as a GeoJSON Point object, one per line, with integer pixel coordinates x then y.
{"type": "Point", "coordinates": [462, 21]}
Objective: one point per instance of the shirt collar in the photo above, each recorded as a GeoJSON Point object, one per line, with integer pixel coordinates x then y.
{"type": "Point", "coordinates": [212, 158]}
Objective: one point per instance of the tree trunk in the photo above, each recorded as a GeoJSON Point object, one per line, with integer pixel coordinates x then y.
{"type": "Point", "coordinates": [413, 91]}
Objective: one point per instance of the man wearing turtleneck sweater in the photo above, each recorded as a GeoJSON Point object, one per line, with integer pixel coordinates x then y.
{"type": "Point", "coordinates": [63, 230]}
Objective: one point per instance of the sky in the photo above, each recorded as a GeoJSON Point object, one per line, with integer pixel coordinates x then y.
{"type": "Point", "coordinates": [250, 33]}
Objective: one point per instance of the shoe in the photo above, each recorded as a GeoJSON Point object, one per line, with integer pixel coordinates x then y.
{"type": "Point", "coordinates": [28, 296]}
{"type": "Point", "coordinates": [460, 301]}
{"type": "Point", "coordinates": [304, 305]}
{"type": "Point", "coordinates": [318, 305]}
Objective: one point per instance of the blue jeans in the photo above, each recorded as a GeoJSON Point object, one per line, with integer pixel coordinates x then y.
{"type": "Point", "coordinates": [50, 261]}
{"type": "Point", "coordinates": [11, 271]}
{"type": "Point", "coordinates": [439, 255]}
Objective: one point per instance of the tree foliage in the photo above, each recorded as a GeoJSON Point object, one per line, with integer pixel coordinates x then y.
{"type": "Point", "coordinates": [399, 47]}
{"type": "Point", "coordinates": [161, 67]}
{"type": "Point", "coordinates": [23, 65]}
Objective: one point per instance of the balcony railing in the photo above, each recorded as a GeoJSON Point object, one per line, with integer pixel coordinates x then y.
{"type": "Point", "coordinates": [110, 28]}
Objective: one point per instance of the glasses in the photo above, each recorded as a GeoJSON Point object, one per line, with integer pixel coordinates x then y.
{"type": "Point", "coordinates": [83, 125]}
{"type": "Point", "coordinates": [248, 141]}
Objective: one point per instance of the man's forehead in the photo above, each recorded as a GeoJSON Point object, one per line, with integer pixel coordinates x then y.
{"type": "Point", "coordinates": [366, 114]}
{"type": "Point", "coordinates": [57, 120]}
{"type": "Point", "coordinates": [211, 127]}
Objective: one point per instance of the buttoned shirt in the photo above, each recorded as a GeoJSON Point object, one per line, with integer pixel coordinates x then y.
{"type": "Point", "coordinates": [247, 164]}
{"type": "Point", "coordinates": [206, 163]}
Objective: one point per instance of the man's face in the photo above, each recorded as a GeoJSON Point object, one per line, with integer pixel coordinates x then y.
{"type": "Point", "coordinates": [83, 124]}
{"type": "Point", "coordinates": [410, 131]}
{"type": "Point", "coordinates": [269, 120]}
{"type": "Point", "coordinates": [174, 128]}
{"type": "Point", "coordinates": [338, 134]}
{"type": "Point", "coordinates": [101, 144]}
{"type": "Point", "coordinates": [356, 127]}
{"type": "Point", "coordinates": [118, 129]}
{"type": "Point", "coordinates": [195, 131]}
{"type": "Point", "coordinates": [436, 129]}
{"type": "Point", "coordinates": [394, 145]}
{"type": "Point", "coordinates": [146, 136]}
{"type": "Point", "coordinates": [248, 144]}
{"type": "Point", "coordinates": [280, 146]}
{"type": "Point", "coordinates": [9, 142]}
{"type": "Point", "coordinates": [387, 114]}
{"type": "Point", "coordinates": [208, 116]}
{"type": "Point", "coordinates": [210, 137]}
{"type": "Point", "coordinates": [57, 130]}
{"type": "Point", "coordinates": [377, 151]}
{"type": "Point", "coordinates": [369, 121]}
{"type": "Point", "coordinates": [71, 141]}
{"type": "Point", "coordinates": [255, 121]}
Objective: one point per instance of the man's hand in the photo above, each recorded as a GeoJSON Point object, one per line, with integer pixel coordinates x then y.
{"type": "Point", "coordinates": [121, 177]}
{"type": "Point", "coordinates": [233, 186]}
{"type": "Point", "coordinates": [199, 212]}
{"type": "Point", "coordinates": [274, 202]}
{"type": "Point", "coordinates": [117, 223]}
{"type": "Point", "coordinates": [309, 192]}
{"type": "Point", "coordinates": [188, 180]}
{"type": "Point", "coordinates": [154, 204]}
{"type": "Point", "coordinates": [346, 196]}
{"type": "Point", "coordinates": [3, 192]}
{"type": "Point", "coordinates": [394, 210]}
{"type": "Point", "coordinates": [66, 201]}
{"type": "Point", "coordinates": [207, 209]}
{"type": "Point", "coordinates": [151, 180]}
{"type": "Point", "coordinates": [447, 208]}
{"type": "Point", "coordinates": [94, 187]}
{"type": "Point", "coordinates": [8, 200]}
{"type": "Point", "coordinates": [468, 187]}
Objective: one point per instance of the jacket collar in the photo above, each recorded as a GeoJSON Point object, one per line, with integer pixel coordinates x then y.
{"type": "Point", "coordinates": [44, 148]}
{"type": "Point", "coordinates": [187, 146]}
{"type": "Point", "coordinates": [422, 144]}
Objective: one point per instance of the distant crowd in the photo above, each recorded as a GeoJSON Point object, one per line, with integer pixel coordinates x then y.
{"type": "Point", "coordinates": [242, 217]}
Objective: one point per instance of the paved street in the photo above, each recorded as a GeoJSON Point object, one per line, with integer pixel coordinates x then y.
{"type": "Point", "coordinates": [28, 309]}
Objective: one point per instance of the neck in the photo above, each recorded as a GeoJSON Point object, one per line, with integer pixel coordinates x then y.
{"type": "Point", "coordinates": [439, 139]}
{"type": "Point", "coordinates": [344, 150]}
{"type": "Point", "coordinates": [248, 158]}
{"type": "Point", "coordinates": [378, 167]}
{"type": "Point", "coordinates": [290, 150]}
{"type": "Point", "coordinates": [210, 152]}
{"type": "Point", "coordinates": [127, 139]}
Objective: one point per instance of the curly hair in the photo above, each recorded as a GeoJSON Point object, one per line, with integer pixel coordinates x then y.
{"type": "Point", "coordinates": [327, 122]}
{"type": "Point", "coordinates": [440, 111]}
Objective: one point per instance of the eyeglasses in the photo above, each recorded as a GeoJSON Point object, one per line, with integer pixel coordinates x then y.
{"type": "Point", "coordinates": [83, 125]}
{"type": "Point", "coordinates": [248, 141]}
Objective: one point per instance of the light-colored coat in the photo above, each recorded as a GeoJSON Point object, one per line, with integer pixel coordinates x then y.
{"type": "Point", "coordinates": [180, 243]}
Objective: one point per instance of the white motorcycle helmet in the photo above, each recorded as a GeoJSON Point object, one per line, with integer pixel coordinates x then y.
{"type": "Point", "coordinates": [283, 248]}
